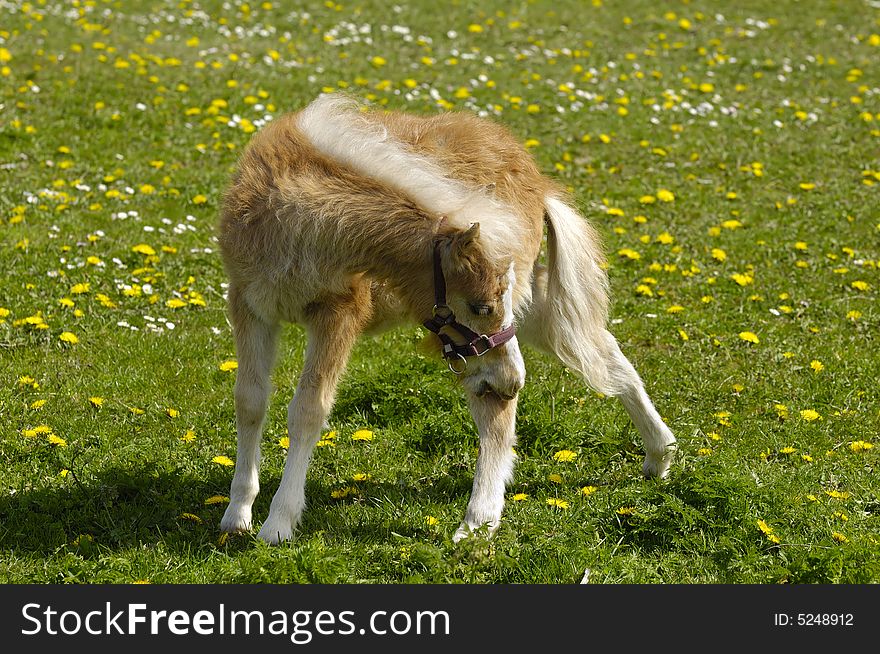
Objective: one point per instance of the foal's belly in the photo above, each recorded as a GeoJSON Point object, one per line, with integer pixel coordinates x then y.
{"type": "Point", "coordinates": [287, 298]}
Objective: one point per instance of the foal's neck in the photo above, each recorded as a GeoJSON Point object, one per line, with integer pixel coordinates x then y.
{"type": "Point", "coordinates": [402, 257]}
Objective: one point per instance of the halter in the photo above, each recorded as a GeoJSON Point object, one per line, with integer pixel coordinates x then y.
{"type": "Point", "coordinates": [442, 316]}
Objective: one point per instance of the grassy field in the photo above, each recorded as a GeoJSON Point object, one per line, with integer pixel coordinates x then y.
{"type": "Point", "coordinates": [729, 154]}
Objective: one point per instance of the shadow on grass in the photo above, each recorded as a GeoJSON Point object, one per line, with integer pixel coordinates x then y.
{"type": "Point", "coordinates": [122, 508]}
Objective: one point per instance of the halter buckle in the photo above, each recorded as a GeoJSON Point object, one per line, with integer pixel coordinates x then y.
{"type": "Point", "coordinates": [486, 342]}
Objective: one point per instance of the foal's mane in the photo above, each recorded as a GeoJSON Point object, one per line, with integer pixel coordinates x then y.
{"type": "Point", "coordinates": [343, 130]}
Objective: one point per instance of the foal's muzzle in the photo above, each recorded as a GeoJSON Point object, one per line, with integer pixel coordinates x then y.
{"type": "Point", "coordinates": [486, 389]}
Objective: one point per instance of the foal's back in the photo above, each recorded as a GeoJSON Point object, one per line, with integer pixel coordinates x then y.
{"type": "Point", "coordinates": [295, 223]}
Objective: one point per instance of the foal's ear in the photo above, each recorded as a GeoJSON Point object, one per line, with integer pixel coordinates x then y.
{"type": "Point", "coordinates": [464, 246]}
{"type": "Point", "coordinates": [470, 234]}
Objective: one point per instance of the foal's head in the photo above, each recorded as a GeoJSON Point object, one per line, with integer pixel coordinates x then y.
{"type": "Point", "coordinates": [480, 293]}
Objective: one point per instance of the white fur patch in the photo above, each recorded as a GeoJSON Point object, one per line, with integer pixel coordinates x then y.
{"type": "Point", "coordinates": [507, 298]}
{"type": "Point", "coordinates": [515, 354]}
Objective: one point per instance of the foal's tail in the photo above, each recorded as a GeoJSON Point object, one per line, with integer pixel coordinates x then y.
{"type": "Point", "coordinates": [570, 297]}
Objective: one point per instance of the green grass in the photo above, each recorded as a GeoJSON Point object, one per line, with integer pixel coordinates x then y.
{"type": "Point", "coordinates": [92, 104]}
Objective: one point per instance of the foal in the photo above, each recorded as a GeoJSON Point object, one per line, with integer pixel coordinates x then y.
{"type": "Point", "coordinates": [346, 221]}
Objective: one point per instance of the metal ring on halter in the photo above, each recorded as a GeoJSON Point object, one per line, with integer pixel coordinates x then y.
{"type": "Point", "coordinates": [452, 368]}
{"type": "Point", "coordinates": [441, 307]}
{"type": "Point", "coordinates": [485, 339]}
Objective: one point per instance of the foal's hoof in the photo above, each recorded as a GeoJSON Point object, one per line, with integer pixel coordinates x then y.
{"type": "Point", "coordinates": [274, 533]}
{"type": "Point", "coordinates": [656, 466]}
{"type": "Point", "coordinates": [235, 520]}
{"type": "Point", "coordinates": [486, 530]}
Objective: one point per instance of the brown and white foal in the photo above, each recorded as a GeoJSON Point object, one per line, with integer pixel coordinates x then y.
{"type": "Point", "coordinates": [348, 221]}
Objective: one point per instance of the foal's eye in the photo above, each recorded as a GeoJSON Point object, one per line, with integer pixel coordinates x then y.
{"type": "Point", "coordinates": [480, 309]}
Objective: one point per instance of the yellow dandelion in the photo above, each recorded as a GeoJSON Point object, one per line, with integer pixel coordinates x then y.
{"type": "Point", "coordinates": [223, 461]}
{"type": "Point", "coordinates": [749, 337]}
{"type": "Point", "coordinates": [362, 435]}
{"type": "Point", "coordinates": [840, 538]}
{"type": "Point", "coordinates": [565, 455]}
{"type": "Point", "coordinates": [56, 440]}
{"type": "Point", "coordinates": [626, 510]}
{"type": "Point", "coordinates": [556, 502]}
{"type": "Point", "coordinates": [217, 499]}
{"type": "Point", "coordinates": [143, 248]}
{"type": "Point", "coordinates": [768, 531]}
{"type": "Point", "coordinates": [284, 442]}
{"type": "Point", "coordinates": [629, 253]}
{"type": "Point", "coordinates": [199, 199]}
{"type": "Point", "coordinates": [860, 446]}
{"type": "Point", "coordinates": [838, 495]}
{"type": "Point", "coordinates": [192, 517]}
{"type": "Point", "coordinates": [68, 337]}
{"type": "Point", "coordinates": [96, 401]}
{"type": "Point", "coordinates": [589, 490]}
{"type": "Point", "coordinates": [520, 497]}
{"type": "Point", "coordinates": [554, 478]}
{"type": "Point", "coordinates": [665, 195]}
{"type": "Point", "coordinates": [431, 520]}
{"type": "Point", "coordinates": [229, 365]}
{"type": "Point", "coordinates": [189, 436]}
{"type": "Point", "coordinates": [810, 415]}
{"type": "Point", "coordinates": [742, 279]}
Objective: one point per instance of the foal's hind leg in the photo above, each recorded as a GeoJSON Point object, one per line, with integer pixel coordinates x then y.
{"type": "Point", "coordinates": [658, 440]}
{"type": "Point", "coordinates": [621, 379]}
{"type": "Point", "coordinates": [255, 345]}
{"type": "Point", "coordinates": [332, 329]}
{"type": "Point", "coordinates": [496, 423]}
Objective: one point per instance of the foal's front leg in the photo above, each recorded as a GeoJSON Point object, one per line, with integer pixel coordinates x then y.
{"type": "Point", "coordinates": [332, 331]}
{"type": "Point", "coordinates": [496, 423]}
{"type": "Point", "coordinates": [255, 344]}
